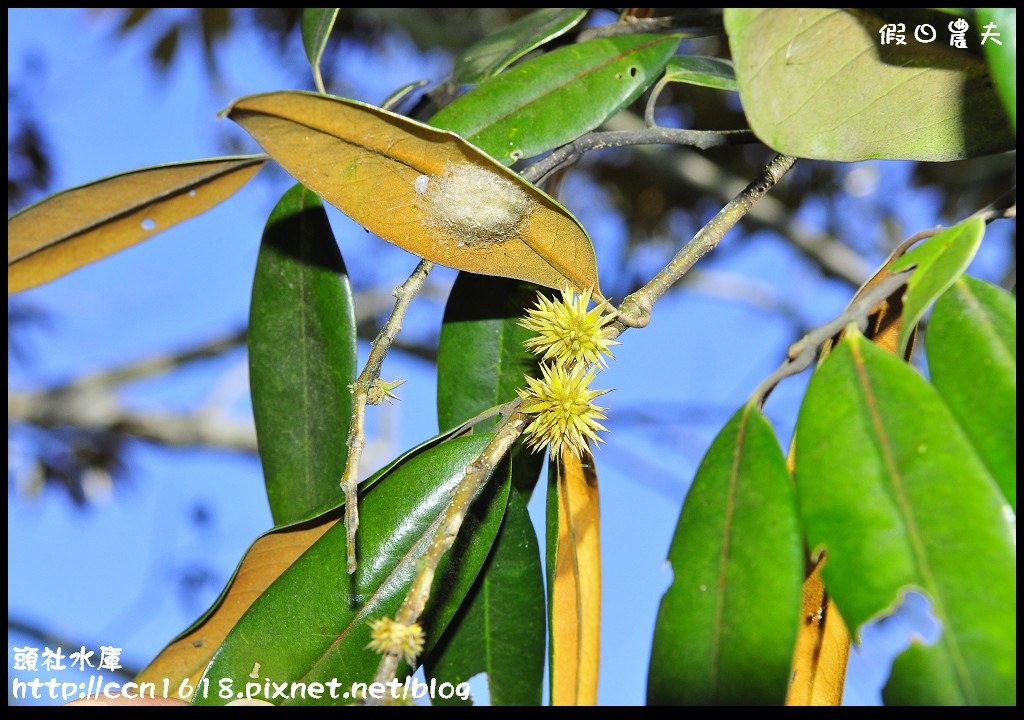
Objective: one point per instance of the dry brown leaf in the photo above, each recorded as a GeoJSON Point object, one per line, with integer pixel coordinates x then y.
{"type": "Point", "coordinates": [262, 564]}
{"type": "Point", "coordinates": [84, 224]}
{"type": "Point", "coordinates": [423, 189]}
{"type": "Point", "coordinates": [576, 589]}
{"type": "Point", "coordinates": [884, 322]}
{"type": "Point", "coordinates": [822, 648]}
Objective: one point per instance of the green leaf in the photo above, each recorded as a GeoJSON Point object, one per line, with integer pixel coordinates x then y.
{"type": "Point", "coordinates": [317, 24]}
{"type": "Point", "coordinates": [818, 83]}
{"type": "Point", "coordinates": [482, 361]}
{"type": "Point", "coordinates": [481, 356]}
{"type": "Point", "coordinates": [75, 227]}
{"type": "Point", "coordinates": [892, 490]}
{"type": "Point", "coordinates": [972, 358]}
{"type": "Point", "coordinates": [709, 72]}
{"type": "Point", "coordinates": [1002, 59]}
{"type": "Point", "coordinates": [492, 54]}
{"type": "Point", "coordinates": [332, 510]}
{"type": "Point", "coordinates": [552, 99]}
{"type": "Point", "coordinates": [727, 625]}
{"type": "Point", "coordinates": [302, 357]}
{"type": "Point", "coordinates": [500, 628]}
{"type": "Point", "coordinates": [426, 190]}
{"type": "Point", "coordinates": [311, 624]}
{"type": "Point", "coordinates": [939, 260]}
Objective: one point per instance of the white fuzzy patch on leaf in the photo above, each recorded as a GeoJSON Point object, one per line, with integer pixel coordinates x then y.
{"type": "Point", "coordinates": [474, 204]}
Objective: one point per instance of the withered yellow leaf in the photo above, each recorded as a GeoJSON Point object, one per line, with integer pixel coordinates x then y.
{"type": "Point", "coordinates": [423, 189]}
{"type": "Point", "coordinates": [575, 604]}
{"type": "Point", "coordinates": [268, 557]}
{"type": "Point", "coordinates": [822, 648]}
{"type": "Point", "coordinates": [84, 224]}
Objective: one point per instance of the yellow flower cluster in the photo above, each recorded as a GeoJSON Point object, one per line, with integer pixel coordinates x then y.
{"type": "Point", "coordinates": [390, 636]}
{"type": "Point", "coordinates": [572, 342]}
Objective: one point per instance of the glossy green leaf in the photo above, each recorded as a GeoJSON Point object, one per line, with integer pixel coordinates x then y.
{"type": "Point", "coordinates": [311, 623]}
{"type": "Point", "coordinates": [497, 51]}
{"type": "Point", "coordinates": [302, 357]}
{"type": "Point", "coordinates": [426, 190]}
{"type": "Point", "coordinates": [1002, 58]}
{"type": "Point", "coordinates": [550, 100]}
{"type": "Point", "coordinates": [481, 358]}
{"type": "Point", "coordinates": [75, 227]}
{"type": "Point", "coordinates": [500, 628]}
{"type": "Point", "coordinates": [972, 359]}
{"type": "Point", "coordinates": [332, 510]}
{"type": "Point", "coordinates": [892, 490]}
{"type": "Point", "coordinates": [727, 625]}
{"type": "Point", "coordinates": [818, 83]}
{"type": "Point", "coordinates": [317, 24]}
{"type": "Point", "coordinates": [709, 72]}
{"type": "Point", "coordinates": [939, 261]}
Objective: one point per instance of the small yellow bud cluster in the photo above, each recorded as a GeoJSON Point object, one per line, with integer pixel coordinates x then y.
{"type": "Point", "coordinates": [390, 636]}
{"type": "Point", "coordinates": [572, 342]}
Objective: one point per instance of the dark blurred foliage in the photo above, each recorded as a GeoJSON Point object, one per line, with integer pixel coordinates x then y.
{"type": "Point", "coordinates": [86, 464]}
{"type": "Point", "coordinates": [28, 161]}
{"type": "Point", "coordinates": [658, 204]}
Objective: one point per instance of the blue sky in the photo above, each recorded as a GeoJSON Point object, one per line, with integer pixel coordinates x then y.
{"type": "Point", "coordinates": [111, 574]}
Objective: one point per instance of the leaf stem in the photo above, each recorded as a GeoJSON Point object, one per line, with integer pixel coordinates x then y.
{"type": "Point", "coordinates": [318, 80]}
{"type": "Point", "coordinates": [404, 294]}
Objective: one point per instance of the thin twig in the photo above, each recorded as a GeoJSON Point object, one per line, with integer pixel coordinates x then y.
{"type": "Point", "coordinates": [695, 23]}
{"type": "Point", "coordinates": [702, 175]}
{"type": "Point", "coordinates": [1003, 207]}
{"type": "Point", "coordinates": [508, 431]}
{"type": "Point", "coordinates": [636, 308]}
{"type": "Point", "coordinates": [571, 152]}
{"type": "Point", "coordinates": [803, 352]}
{"type": "Point", "coordinates": [404, 294]}
{"type": "Point", "coordinates": [477, 474]}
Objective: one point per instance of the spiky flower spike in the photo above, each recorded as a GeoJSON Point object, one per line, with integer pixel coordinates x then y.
{"type": "Point", "coordinates": [565, 410]}
{"type": "Point", "coordinates": [391, 636]}
{"type": "Point", "coordinates": [567, 334]}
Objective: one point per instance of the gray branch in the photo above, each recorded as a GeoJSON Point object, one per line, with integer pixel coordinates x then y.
{"type": "Point", "coordinates": [571, 152]}
{"type": "Point", "coordinates": [834, 257]}
{"type": "Point", "coordinates": [803, 352]}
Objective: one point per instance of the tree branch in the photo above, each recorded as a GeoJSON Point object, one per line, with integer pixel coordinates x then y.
{"type": "Point", "coordinates": [803, 352]}
{"type": "Point", "coordinates": [635, 310]}
{"type": "Point", "coordinates": [692, 23]}
{"type": "Point", "coordinates": [834, 257]}
{"type": "Point", "coordinates": [361, 390]}
{"type": "Point", "coordinates": [100, 410]}
{"type": "Point", "coordinates": [477, 474]}
{"type": "Point", "coordinates": [571, 152]}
